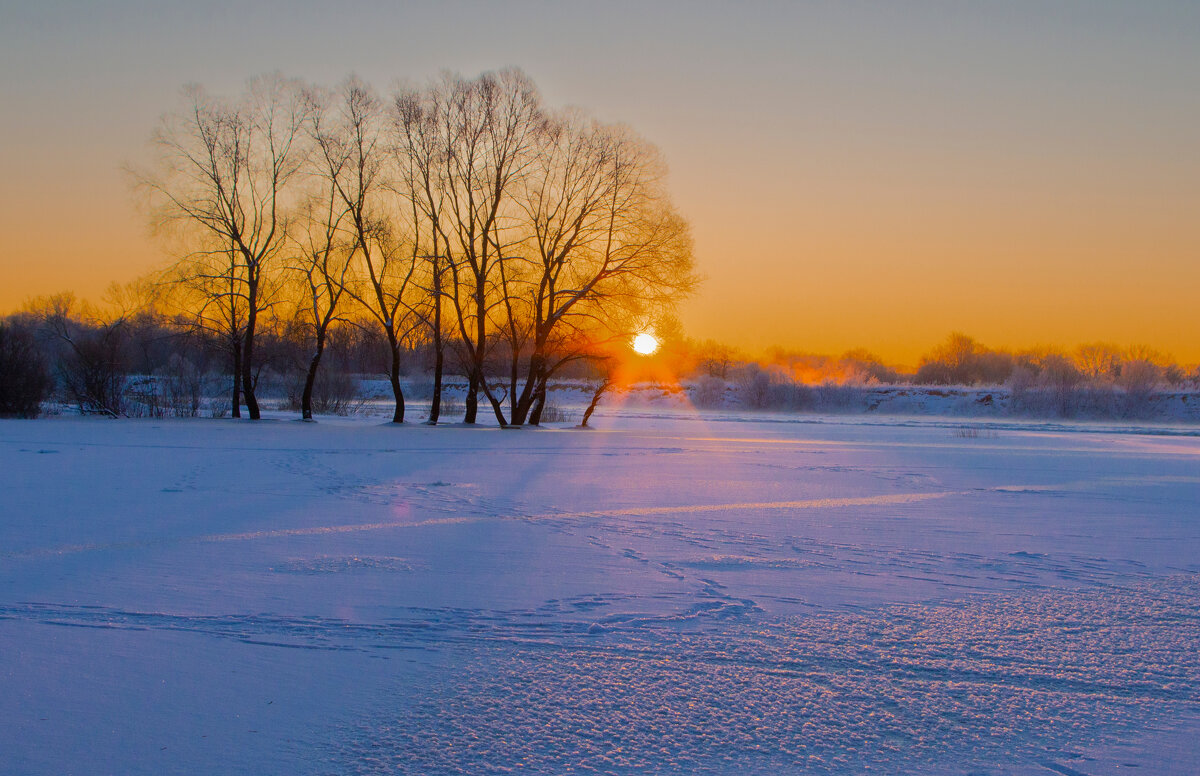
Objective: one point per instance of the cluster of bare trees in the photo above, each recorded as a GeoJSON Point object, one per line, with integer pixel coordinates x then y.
{"type": "Point", "coordinates": [464, 215]}
{"type": "Point", "coordinates": [1136, 370]}
{"type": "Point", "coordinates": [25, 379]}
{"type": "Point", "coordinates": [1096, 379]}
{"type": "Point", "coordinates": [126, 358]}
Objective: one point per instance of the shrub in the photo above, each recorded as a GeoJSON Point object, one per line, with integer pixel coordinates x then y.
{"type": "Point", "coordinates": [754, 384]}
{"type": "Point", "coordinates": [1140, 379]}
{"type": "Point", "coordinates": [334, 393]}
{"type": "Point", "coordinates": [771, 388]}
{"type": "Point", "coordinates": [94, 366]}
{"type": "Point", "coordinates": [1062, 379]}
{"type": "Point", "coordinates": [450, 410]}
{"type": "Point", "coordinates": [1054, 386]}
{"type": "Point", "coordinates": [831, 397]}
{"type": "Point", "coordinates": [960, 360]}
{"type": "Point", "coordinates": [709, 392]}
{"type": "Point", "coordinates": [552, 413]}
{"type": "Point", "coordinates": [24, 379]}
{"type": "Point", "coordinates": [862, 366]}
{"type": "Point", "coordinates": [174, 391]}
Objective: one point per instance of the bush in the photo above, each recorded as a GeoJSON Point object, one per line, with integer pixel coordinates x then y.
{"type": "Point", "coordinates": [334, 393]}
{"type": "Point", "coordinates": [552, 413]}
{"type": "Point", "coordinates": [175, 391]}
{"type": "Point", "coordinates": [94, 367]}
{"type": "Point", "coordinates": [24, 379]}
{"type": "Point", "coordinates": [771, 388]}
{"type": "Point", "coordinates": [1062, 380]}
{"type": "Point", "coordinates": [1140, 379]}
{"type": "Point", "coordinates": [831, 397]}
{"type": "Point", "coordinates": [960, 360]}
{"type": "Point", "coordinates": [219, 408]}
{"type": "Point", "coordinates": [451, 408]}
{"type": "Point", "coordinates": [1053, 387]}
{"type": "Point", "coordinates": [709, 392]}
{"type": "Point", "coordinates": [182, 386]}
{"type": "Point", "coordinates": [863, 367]}
{"type": "Point", "coordinates": [754, 383]}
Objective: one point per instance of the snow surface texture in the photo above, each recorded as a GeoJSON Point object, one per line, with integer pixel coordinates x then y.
{"type": "Point", "coordinates": [677, 595]}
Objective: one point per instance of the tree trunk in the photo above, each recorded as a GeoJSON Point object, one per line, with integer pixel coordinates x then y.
{"type": "Point", "coordinates": [587, 414]}
{"type": "Point", "coordinates": [439, 357]}
{"type": "Point", "coordinates": [472, 400]}
{"type": "Point", "coordinates": [248, 357]}
{"type": "Point", "coordinates": [236, 410]}
{"type": "Point", "coordinates": [311, 378]}
{"type": "Point", "coordinates": [435, 407]}
{"type": "Point", "coordinates": [498, 409]}
{"type": "Point", "coordinates": [535, 384]}
{"type": "Point", "coordinates": [394, 379]}
{"type": "Point", "coordinates": [520, 411]}
{"type": "Point", "coordinates": [477, 360]}
{"type": "Point", "coordinates": [539, 402]}
{"type": "Point", "coordinates": [523, 403]}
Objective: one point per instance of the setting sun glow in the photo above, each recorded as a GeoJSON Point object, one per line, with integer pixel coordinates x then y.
{"type": "Point", "coordinates": [645, 344]}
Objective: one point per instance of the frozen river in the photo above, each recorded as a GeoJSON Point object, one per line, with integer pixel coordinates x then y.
{"type": "Point", "coordinates": [668, 595]}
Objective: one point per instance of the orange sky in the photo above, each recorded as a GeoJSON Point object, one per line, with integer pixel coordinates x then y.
{"type": "Point", "coordinates": [856, 175]}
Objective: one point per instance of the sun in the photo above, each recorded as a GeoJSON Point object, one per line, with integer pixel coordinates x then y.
{"type": "Point", "coordinates": [645, 344]}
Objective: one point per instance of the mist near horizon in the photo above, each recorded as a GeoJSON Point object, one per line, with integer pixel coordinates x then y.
{"type": "Point", "coordinates": [854, 175]}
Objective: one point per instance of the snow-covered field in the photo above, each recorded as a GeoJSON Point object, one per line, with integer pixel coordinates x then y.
{"type": "Point", "coordinates": [669, 593]}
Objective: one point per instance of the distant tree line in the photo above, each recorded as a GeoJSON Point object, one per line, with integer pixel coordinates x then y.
{"type": "Point", "coordinates": [130, 358]}
{"type": "Point", "coordinates": [1099, 379]}
{"type": "Point", "coordinates": [1103, 377]}
{"type": "Point", "coordinates": [127, 358]}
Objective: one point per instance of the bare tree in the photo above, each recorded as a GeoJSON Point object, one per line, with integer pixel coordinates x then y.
{"type": "Point", "coordinates": [93, 361]}
{"type": "Point", "coordinates": [597, 393]}
{"type": "Point", "coordinates": [1140, 378]}
{"type": "Point", "coordinates": [422, 164]}
{"type": "Point", "coordinates": [351, 151]}
{"type": "Point", "coordinates": [1099, 361]}
{"type": "Point", "coordinates": [225, 171]}
{"type": "Point", "coordinates": [320, 266]}
{"type": "Point", "coordinates": [609, 248]}
{"type": "Point", "coordinates": [207, 290]}
{"type": "Point", "coordinates": [488, 129]}
{"type": "Point", "coordinates": [556, 231]}
{"type": "Point", "coordinates": [24, 377]}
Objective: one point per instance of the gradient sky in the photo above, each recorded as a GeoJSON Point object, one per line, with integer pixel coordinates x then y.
{"type": "Point", "coordinates": [856, 174]}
